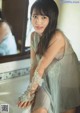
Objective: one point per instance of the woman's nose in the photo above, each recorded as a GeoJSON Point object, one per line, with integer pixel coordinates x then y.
{"type": "Point", "coordinates": [39, 21]}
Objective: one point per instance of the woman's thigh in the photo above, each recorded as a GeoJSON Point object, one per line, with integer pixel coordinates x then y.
{"type": "Point", "coordinates": [41, 101]}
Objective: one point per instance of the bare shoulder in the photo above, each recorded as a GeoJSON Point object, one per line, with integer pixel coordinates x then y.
{"type": "Point", "coordinates": [58, 37]}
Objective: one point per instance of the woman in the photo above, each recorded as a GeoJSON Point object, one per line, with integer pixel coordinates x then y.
{"type": "Point", "coordinates": [54, 61]}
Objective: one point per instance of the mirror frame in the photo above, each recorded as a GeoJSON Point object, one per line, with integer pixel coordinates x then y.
{"type": "Point", "coordinates": [23, 54]}
{"type": "Point", "coordinates": [25, 26]}
{"type": "Point", "coordinates": [9, 58]}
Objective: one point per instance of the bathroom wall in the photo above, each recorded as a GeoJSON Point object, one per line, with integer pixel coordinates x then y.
{"type": "Point", "coordinates": [69, 22]}
{"type": "Point", "coordinates": [14, 69]}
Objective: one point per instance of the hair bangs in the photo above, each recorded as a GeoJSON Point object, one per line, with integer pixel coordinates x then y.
{"type": "Point", "coordinates": [39, 9]}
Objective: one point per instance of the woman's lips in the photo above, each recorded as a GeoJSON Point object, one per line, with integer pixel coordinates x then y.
{"type": "Point", "coordinates": [39, 27]}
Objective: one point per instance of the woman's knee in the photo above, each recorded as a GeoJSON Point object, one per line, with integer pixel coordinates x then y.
{"type": "Point", "coordinates": [40, 110]}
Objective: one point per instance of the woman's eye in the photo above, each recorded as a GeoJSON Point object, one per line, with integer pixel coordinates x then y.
{"type": "Point", "coordinates": [34, 16]}
{"type": "Point", "coordinates": [44, 17]}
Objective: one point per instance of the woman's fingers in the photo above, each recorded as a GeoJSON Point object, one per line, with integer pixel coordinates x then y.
{"type": "Point", "coordinates": [28, 104]}
{"type": "Point", "coordinates": [24, 104]}
{"type": "Point", "coordinates": [19, 103]}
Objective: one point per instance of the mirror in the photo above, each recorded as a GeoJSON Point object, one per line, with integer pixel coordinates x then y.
{"type": "Point", "coordinates": [14, 13]}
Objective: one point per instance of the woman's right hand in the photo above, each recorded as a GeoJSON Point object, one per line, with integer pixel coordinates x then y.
{"type": "Point", "coordinates": [26, 99]}
{"type": "Point", "coordinates": [25, 104]}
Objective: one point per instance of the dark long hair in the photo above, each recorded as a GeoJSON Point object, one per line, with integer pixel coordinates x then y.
{"type": "Point", "coordinates": [50, 9]}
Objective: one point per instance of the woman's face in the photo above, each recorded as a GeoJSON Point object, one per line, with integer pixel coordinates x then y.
{"type": "Point", "coordinates": [39, 22]}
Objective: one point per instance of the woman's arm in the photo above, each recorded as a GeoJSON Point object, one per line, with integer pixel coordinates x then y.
{"type": "Point", "coordinates": [32, 57]}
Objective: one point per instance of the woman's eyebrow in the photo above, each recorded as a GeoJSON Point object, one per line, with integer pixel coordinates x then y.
{"type": "Point", "coordinates": [34, 14]}
{"type": "Point", "coordinates": [38, 14]}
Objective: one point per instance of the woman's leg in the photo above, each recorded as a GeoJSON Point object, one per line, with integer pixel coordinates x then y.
{"type": "Point", "coordinates": [40, 110]}
{"type": "Point", "coordinates": [71, 111]}
{"type": "Point", "coordinates": [41, 103]}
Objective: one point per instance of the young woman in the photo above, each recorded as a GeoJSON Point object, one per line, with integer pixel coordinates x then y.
{"type": "Point", "coordinates": [55, 76]}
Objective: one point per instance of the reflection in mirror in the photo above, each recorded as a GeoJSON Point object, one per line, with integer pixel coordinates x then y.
{"type": "Point", "coordinates": [15, 16]}
{"type": "Point", "coordinates": [7, 40]}
{"type": "Point", "coordinates": [8, 44]}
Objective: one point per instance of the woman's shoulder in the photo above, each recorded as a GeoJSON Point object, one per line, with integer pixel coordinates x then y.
{"type": "Point", "coordinates": [58, 36]}
{"type": "Point", "coordinates": [61, 33]}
